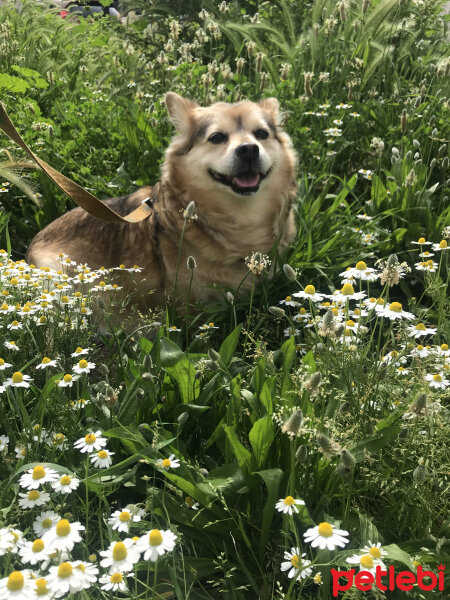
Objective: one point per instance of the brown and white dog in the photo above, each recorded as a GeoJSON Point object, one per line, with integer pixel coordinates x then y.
{"type": "Point", "coordinates": [235, 163]}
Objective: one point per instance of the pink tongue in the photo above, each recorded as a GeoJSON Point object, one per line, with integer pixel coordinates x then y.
{"type": "Point", "coordinates": [248, 179]}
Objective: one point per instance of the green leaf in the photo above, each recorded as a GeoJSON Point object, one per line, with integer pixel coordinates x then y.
{"type": "Point", "coordinates": [242, 455]}
{"type": "Point", "coordinates": [25, 71]}
{"type": "Point", "coordinates": [170, 353]}
{"type": "Point", "coordinates": [272, 479]}
{"type": "Point", "coordinates": [229, 345]}
{"type": "Point", "coordinates": [288, 350]}
{"type": "Point", "coordinates": [128, 433]}
{"type": "Point", "coordinates": [375, 443]}
{"type": "Point", "coordinates": [396, 553]}
{"type": "Point", "coordinates": [13, 84]}
{"type": "Point", "coordinates": [261, 437]}
{"type": "Point", "coordinates": [183, 374]}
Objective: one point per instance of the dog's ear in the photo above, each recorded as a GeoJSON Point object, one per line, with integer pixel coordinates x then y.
{"type": "Point", "coordinates": [180, 111]}
{"type": "Point", "coordinates": [271, 106]}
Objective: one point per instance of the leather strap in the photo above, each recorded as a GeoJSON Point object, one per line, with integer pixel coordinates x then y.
{"type": "Point", "coordinates": [82, 197]}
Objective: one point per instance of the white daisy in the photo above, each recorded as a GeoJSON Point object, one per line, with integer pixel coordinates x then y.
{"type": "Point", "coordinates": [289, 505]}
{"type": "Point", "coordinates": [6, 540]}
{"type": "Point", "coordinates": [421, 351]}
{"type": "Point", "coordinates": [4, 365]}
{"type": "Point", "coordinates": [68, 380]}
{"type": "Point", "coordinates": [37, 476]}
{"type": "Point", "coordinates": [83, 367]}
{"type": "Point", "coordinates": [90, 442]}
{"type": "Point", "coordinates": [402, 371]}
{"type": "Point", "coordinates": [115, 582]}
{"type": "Point", "coordinates": [102, 459]}
{"type": "Point", "coordinates": [34, 552]}
{"type": "Point", "coordinates": [395, 311]}
{"type": "Point", "coordinates": [422, 242]}
{"type": "Point", "coordinates": [296, 564]}
{"type": "Point", "coordinates": [326, 535]}
{"type": "Point", "coordinates": [18, 380]}
{"type": "Point", "coordinates": [17, 586]}
{"type": "Point", "coordinates": [437, 381]}
{"type": "Point", "coordinates": [156, 543]}
{"type": "Point", "coordinates": [4, 441]}
{"type": "Point", "coordinates": [347, 293]}
{"type": "Point", "coordinates": [66, 484]}
{"type": "Point", "coordinates": [309, 293]}
{"type": "Point", "coordinates": [443, 350]}
{"type": "Point", "coordinates": [12, 346]}
{"type": "Point", "coordinates": [173, 329]}
{"type": "Point", "coordinates": [41, 591]}
{"type": "Point", "coordinates": [14, 325]}
{"type": "Point", "coordinates": [443, 245]}
{"type": "Point", "coordinates": [79, 352]}
{"type": "Point", "coordinates": [169, 463]}
{"type": "Point", "coordinates": [366, 562]}
{"type": "Point", "coordinates": [288, 301]}
{"type": "Point", "coordinates": [375, 550]}
{"type": "Point", "coordinates": [88, 572]}
{"type": "Point", "coordinates": [120, 556]}
{"type": "Point", "coordinates": [33, 498]}
{"type": "Point", "coordinates": [44, 522]}
{"type": "Point", "coordinates": [46, 362]}
{"type": "Point", "coordinates": [64, 535]}
{"type": "Point", "coordinates": [419, 330]}
{"type": "Point", "coordinates": [302, 315]}
{"type": "Point", "coordinates": [122, 519]}
{"type": "Point", "coordinates": [191, 503]}
{"type": "Point", "coordinates": [64, 578]}
{"type": "Point", "coordinates": [361, 271]}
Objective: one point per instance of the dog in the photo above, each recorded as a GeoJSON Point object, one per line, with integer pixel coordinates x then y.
{"type": "Point", "coordinates": [238, 166]}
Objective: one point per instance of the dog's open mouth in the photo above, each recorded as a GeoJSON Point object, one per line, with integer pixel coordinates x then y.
{"type": "Point", "coordinates": [243, 183]}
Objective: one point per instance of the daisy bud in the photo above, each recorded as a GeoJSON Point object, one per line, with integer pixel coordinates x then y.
{"type": "Point", "coordinates": [191, 264]}
{"type": "Point", "coordinates": [189, 212]}
{"type": "Point", "coordinates": [204, 472]}
{"type": "Point", "coordinates": [326, 445]}
{"type": "Point", "coordinates": [420, 474]}
{"type": "Point", "coordinates": [442, 149]}
{"type": "Point", "coordinates": [293, 425]}
{"type": "Point", "coordinates": [445, 163]}
{"type": "Point", "coordinates": [417, 102]}
{"type": "Point", "coordinates": [230, 297]}
{"type": "Point", "coordinates": [433, 163]}
{"type": "Point", "coordinates": [183, 418]}
{"type": "Point", "coordinates": [404, 121]}
{"type": "Point", "coordinates": [395, 152]}
{"type": "Point", "coordinates": [434, 132]}
{"type": "Point", "coordinates": [147, 376]}
{"type": "Point", "coordinates": [347, 458]}
{"type": "Point", "coordinates": [277, 312]}
{"type": "Point", "coordinates": [313, 383]}
{"type": "Point", "coordinates": [147, 362]}
{"type": "Point", "coordinates": [432, 121]}
{"type": "Point", "coordinates": [211, 365]}
{"type": "Point", "coordinates": [302, 454]}
{"type": "Point", "coordinates": [416, 143]}
{"type": "Point", "coordinates": [290, 273]}
{"type": "Point", "coordinates": [343, 470]}
{"type": "Point", "coordinates": [408, 155]}
{"type": "Point", "coordinates": [92, 558]}
{"type": "Point", "coordinates": [420, 403]}
{"type": "Point", "coordinates": [103, 370]}
{"type": "Point", "coordinates": [213, 355]}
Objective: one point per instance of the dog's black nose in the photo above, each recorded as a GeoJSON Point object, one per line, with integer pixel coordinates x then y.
{"type": "Point", "coordinates": [249, 151]}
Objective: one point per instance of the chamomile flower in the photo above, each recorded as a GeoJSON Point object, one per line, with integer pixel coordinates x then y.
{"type": "Point", "coordinates": [79, 352]}
{"type": "Point", "coordinates": [173, 329]}
{"type": "Point", "coordinates": [83, 366]}
{"type": "Point", "coordinates": [88, 572]}
{"type": "Point", "coordinates": [63, 579]}
{"type": "Point", "coordinates": [361, 271]}
{"type": "Point", "coordinates": [46, 362]}
{"type": "Point", "coordinates": [419, 330]}
{"type": "Point", "coordinates": [18, 380]}
{"type": "Point", "coordinates": [191, 503]}
{"type": "Point", "coordinates": [395, 312]}
{"type": "Point", "coordinates": [12, 346]}
{"type": "Point", "coordinates": [33, 498]}
{"type": "Point", "coordinates": [66, 484]}
{"type": "Point", "coordinates": [296, 564]}
{"type": "Point", "coordinates": [366, 173]}
{"type": "Point", "coordinates": [41, 590]}
{"type": "Point", "coordinates": [366, 562]}
{"type": "Point", "coordinates": [57, 440]}
{"type": "Point", "coordinates": [4, 441]}
{"type": "Point", "coordinates": [114, 582]}
{"type": "Point", "coordinates": [289, 505]}
{"type": "Point", "coordinates": [102, 459]}
{"type": "Point", "coordinates": [63, 535]}
{"type": "Point", "coordinates": [443, 245]}
{"type": "Point", "coordinates": [120, 556]}
{"type": "Point", "coordinates": [426, 254]}
{"type": "Point", "coordinates": [326, 535]}
{"type": "Point", "coordinates": [288, 301]}
{"type": "Point", "coordinates": [17, 586]}
{"type": "Point", "coordinates": [437, 381]}
{"type": "Point", "coordinates": [68, 380]}
{"type": "Point", "coordinates": [422, 242]}
{"type": "Point", "coordinates": [402, 371]}
{"type": "Point", "coordinates": [443, 350]}
{"type": "Point", "coordinates": [375, 550]}
{"type": "Point", "coordinates": [37, 476]}
{"type": "Point", "coordinates": [44, 522]}
{"type": "Point", "coordinates": [347, 292]}
{"type": "Point", "coordinates": [302, 315]}
{"type": "Point", "coordinates": [309, 293]}
{"type": "Point", "coordinates": [421, 351]}
{"type": "Point", "coordinates": [90, 442]}
{"type": "Point", "coordinates": [169, 463]}
{"type": "Point", "coordinates": [34, 552]}
{"type": "Point", "coordinates": [6, 540]}
{"type": "Point", "coordinates": [14, 325]}
{"type": "Point", "coordinates": [156, 543]}
{"type": "Point", "coordinates": [4, 365]}
{"type": "Point", "coordinates": [122, 519]}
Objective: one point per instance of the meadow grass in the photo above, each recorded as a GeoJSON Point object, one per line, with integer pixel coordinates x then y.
{"type": "Point", "coordinates": [245, 450]}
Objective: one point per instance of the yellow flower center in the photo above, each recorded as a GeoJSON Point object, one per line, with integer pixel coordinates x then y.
{"type": "Point", "coordinates": [189, 501]}
{"type": "Point", "coordinates": [41, 588]}
{"type": "Point", "coordinates": [437, 377]}
{"type": "Point", "coordinates": [419, 348]}
{"type": "Point", "coordinates": [420, 327]}
{"type": "Point", "coordinates": [124, 516]}
{"type": "Point", "coordinates": [166, 463]}
{"type": "Point", "coordinates": [295, 562]}
{"type": "Point", "coordinates": [302, 311]}
{"type": "Point", "coordinates": [421, 240]}
{"type": "Point", "coordinates": [335, 312]}
{"type": "Point", "coordinates": [396, 307]}
{"type": "Point", "coordinates": [2, 362]}
{"type": "Point", "coordinates": [102, 454]}
{"type": "Point", "coordinates": [33, 495]}
{"type": "Point", "coordinates": [38, 472]}
{"type": "Point", "coordinates": [394, 353]}
{"type": "Point", "coordinates": [443, 244]}
{"type": "Point", "coordinates": [46, 360]}
{"type": "Point", "coordinates": [38, 545]}
{"type": "Point", "coordinates": [78, 350]}
{"type": "Point", "coordinates": [289, 501]}
{"type": "Point", "coordinates": [90, 438]}
{"type": "Point", "coordinates": [366, 561]}
{"type": "Point", "coordinates": [67, 377]}
{"type": "Point", "coordinates": [46, 523]}
{"type": "Point", "coordinates": [59, 439]}
{"type": "Point", "coordinates": [81, 567]}
{"type": "Point", "coordinates": [15, 323]}
{"type": "Point", "coordinates": [310, 290]}
{"type": "Point", "coordinates": [348, 290]}
{"type": "Point", "coordinates": [444, 347]}
{"type": "Point", "coordinates": [350, 323]}
{"type": "Point", "coordinates": [43, 319]}
{"type": "Point", "coordinates": [317, 578]}
{"type": "Point", "coordinates": [65, 569]}
{"type": "Point", "coordinates": [325, 530]}
{"type": "Point", "coordinates": [375, 552]}
{"type": "Point", "coordinates": [17, 377]}
{"type": "Point", "coordinates": [14, 281]}
{"type": "Point", "coordinates": [65, 299]}
{"type": "Point", "coordinates": [15, 582]}
{"type": "Point", "coordinates": [4, 306]}
{"type": "Point", "coordinates": [288, 298]}
{"type": "Point", "coordinates": [65, 480]}
{"type": "Point", "coordinates": [155, 538]}
{"type": "Point", "coordinates": [361, 265]}
{"type": "Point", "coordinates": [211, 324]}
{"type": "Point", "coordinates": [83, 364]}
{"type": "Point", "coordinates": [116, 578]}
{"type": "Point", "coordinates": [119, 551]}
{"type": "Point", "coordinates": [62, 528]}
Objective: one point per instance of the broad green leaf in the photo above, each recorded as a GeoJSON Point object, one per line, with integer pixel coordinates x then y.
{"type": "Point", "coordinates": [261, 437]}
{"type": "Point", "coordinates": [183, 374]}
{"type": "Point", "coordinates": [229, 345]}
{"type": "Point", "coordinates": [375, 443]}
{"type": "Point", "coordinates": [128, 433]}
{"type": "Point", "coordinates": [288, 350]}
{"type": "Point", "coordinates": [242, 455]}
{"type": "Point", "coordinates": [170, 353]}
{"type": "Point", "coordinates": [25, 71]}
{"type": "Point", "coordinates": [396, 553]}
{"type": "Point", "coordinates": [272, 479]}
{"type": "Point", "coordinates": [13, 84]}
{"type": "Point", "coordinates": [266, 399]}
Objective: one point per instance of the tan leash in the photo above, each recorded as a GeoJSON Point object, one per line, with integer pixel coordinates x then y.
{"type": "Point", "coordinates": [82, 197]}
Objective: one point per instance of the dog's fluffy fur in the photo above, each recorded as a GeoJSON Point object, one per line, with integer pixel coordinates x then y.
{"type": "Point", "coordinates": [235, 163]}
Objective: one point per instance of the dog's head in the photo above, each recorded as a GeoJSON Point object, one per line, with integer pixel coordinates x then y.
{"type": "Point", "coordinates": [233, 148]}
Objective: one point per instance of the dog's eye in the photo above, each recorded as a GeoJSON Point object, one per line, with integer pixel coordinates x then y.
{"type": "Point", "coordinates": [261, 134]}
{"type": "Point", "coordinates": [218, 138]}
